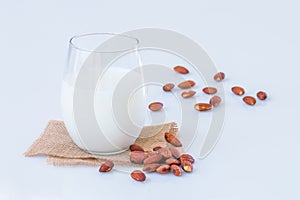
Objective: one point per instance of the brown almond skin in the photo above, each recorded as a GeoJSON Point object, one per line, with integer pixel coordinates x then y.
{"type": "Point", "coordinates": [172, 139]}
{"type": "Point", "coordinates": [155, 158]}
{"type": "Point", "coordinates": [187, 166]}
{"type": "Point", "coordinates": [138, 175]}
{"type": "Point", "coordinates": [175, 153]}
{"type": "Point", "coordinates": [186, 84]}
{"type": "Point", "coordinates": [261, 95]}
{"type": "Point", "coordinates": [238, 90]}
{"type": "Point", "coordinates": [187, 157]}
{"type": "Point", "coordinates": [138, 157]}
{"type": "Point", "coordinates": [215, 101]}
{"type": "Point", "coordinates": [181, 69]}
{"type": "Point", "coordinates": [156, 148]}
{"type": "Point", "coordinates": [151, 167]}
{"type": "Point", "coordinates": [220, 76]}
{"type": "Point", "coordinates": [175, 169]}
{"type": "Point", "coordinates": [203, 106]}
{"type": "Point", "coordinates": [106, 166]}
{"type": "Point", "coordinates": [166, 153]}
{"type": "Point", "coordinates": [188, 93]}
{"type": "Point", "coordinates": [210, 90]}
{"type": "Point", "coordinates": [168, 87]}
{"type": "Point", "coordinates": [251, 101]}
{"type": "Point", "coordinates": [135, 147]}
{"type": "Point", "coordinates": [163, 169]}
{"type": "Point", "coordinates": [172, 161]}
{"type": "Point", "coordinates": [155, 106]}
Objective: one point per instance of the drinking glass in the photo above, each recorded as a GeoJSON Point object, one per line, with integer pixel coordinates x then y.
{"type": "Point", "coordinates": [103, 101]}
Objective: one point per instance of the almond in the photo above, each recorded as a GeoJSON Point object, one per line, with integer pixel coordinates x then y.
{"type": "Point", "coordinates": [175, 169]}
{"type": "Point", "coordinates": [135, 147]}
{"type": "Point", "coordinates": [261, 95]}
{"type": "Point", "coordinates": [163, 169]}
{"type": "Point", "coordinates": [155, 106]}
{"type": "Point", "coordinates": [203, 106]}
{"type": "Point", "coordinates": [175, 153]}
{"type": "Point", "coordinates": [181, 69]}
{"type": "Point", "coordinates": [238, 90]}
{"type": "Point", "coordinates": [186, 84]}
{"type": "Point", "coordinates": [210, 90]}
{"type": "Point", "coordinates": [215, 101]}
{"type": "Point", "coordinates": [187, 166]}
{"type": "Point", "coordinates": [138, 157]}
{"type": "Point", "coordinates": [187, 157]}
{"type": "Point", "coordinates": [106, 166]}
{"type": "Point", "coordinates": [151, 167]}
{"type": "Point", "coordinates": [138, 175]}
{"type": "Point", "coordinates": [188, 93]}
{"type": "Point", "coordinates": [156, 158]}
{"type": "Point", "coordinates": [249, 100]}
{"type": "Point", "coordinates": [168, 87]}
{"type": "Point", "coordinates": [172, 139]}
{"type": "Point", "coordinates": [172, 161]}
{"type": "Point", "coordinates": [219, 76]}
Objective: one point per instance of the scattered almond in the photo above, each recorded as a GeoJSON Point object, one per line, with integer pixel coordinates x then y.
{"type": "Point", "coordinates": [261, 95]}
{"type": "Point", "coordinates": [219, 76]}
{"type": "Point", "coordinates": [172, 139]}
{"type": "Point", "coordinates": [203, 106]}
{"type": "Point", "coordinates": [215, 101]}
{"type": "Point", "coordinates": [138, 175]}
{"type": "Point", "coordinates": [168, 87]}
{"type": "Point", "coordinates": [238, 90]}
{"type": "Point", "coordinates": [188, 93]}
{"type": "Point", "coordinates": [106, 166]}
{"type": "Point", "coordinates": [155, 106]}
{"type": "Point", "coordinates": [186, 84]}
{"type": "Point", "coordinates": [249, 100]}
{"type": "Point", "coordinates": [181, 69]}
{"type": "Point", "coordinates": [210, 90]}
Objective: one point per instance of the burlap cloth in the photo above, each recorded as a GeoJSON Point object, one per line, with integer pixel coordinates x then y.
{"type": "Point", "coordinates": [57, 145]}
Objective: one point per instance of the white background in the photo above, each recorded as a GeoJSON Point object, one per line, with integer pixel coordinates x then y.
{"type": "Point", "coordinates": [257, 44]}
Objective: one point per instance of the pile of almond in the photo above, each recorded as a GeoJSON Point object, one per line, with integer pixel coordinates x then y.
{"type": "Point", "coordinates": [161, 160]}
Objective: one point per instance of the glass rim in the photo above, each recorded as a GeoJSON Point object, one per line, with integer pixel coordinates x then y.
{"type": "Point", "coordinates": [75, 37]}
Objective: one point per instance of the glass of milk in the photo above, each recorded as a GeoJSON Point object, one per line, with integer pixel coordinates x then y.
{"type": "Point", "coordinates": [103, 98]}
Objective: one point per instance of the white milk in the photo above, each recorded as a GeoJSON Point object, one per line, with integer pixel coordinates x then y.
{"type": "Point", "coordinates": [116, 134]}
